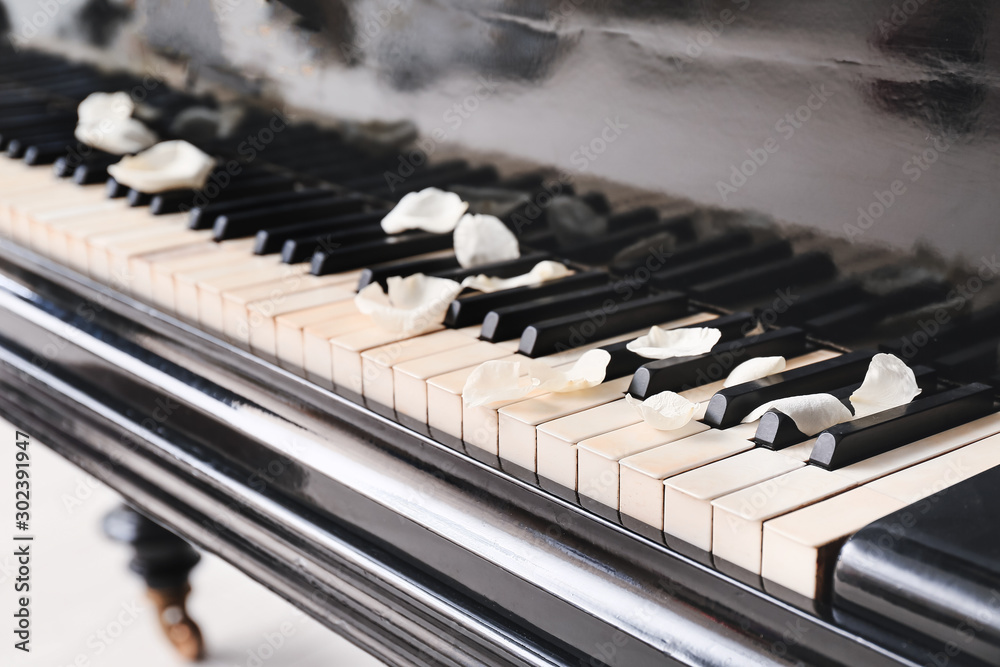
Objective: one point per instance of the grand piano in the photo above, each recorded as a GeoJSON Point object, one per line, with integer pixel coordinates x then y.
{"type": "Point", "coordinates": [814, 180]}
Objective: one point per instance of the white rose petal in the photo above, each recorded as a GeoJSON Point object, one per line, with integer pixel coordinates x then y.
{"type": "Point", "coordinates": [169, 165]}
{"type": "Point", "coordinates": [508, 380]}
{"type": "Point", "coordinates": [887, 384]}
{"type": "Point", "coordinates": [496, 381]}
{"type": "Point", "coordinates": [413, 304]}
{"type": "Point", "coordinates": [105, 122]}
{"type": "Point", "coordinates": [666, 343]}
{"type": "Point", "coordinates": [588, 371]}
{"type": "Point", "coordinates": [665, 411]}
{"type": "Point", "coordinates": [542, 272]}
{"type": "Point", "coordinates": [483, 239]}
{"type": "Point", "coordinates": [811, 413]}
{"type": "Point", "coordinates": [755, 369]}
{"type": "Point", "coordinates": [431, 210]}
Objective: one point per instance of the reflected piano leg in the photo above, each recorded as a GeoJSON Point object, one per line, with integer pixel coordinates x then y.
{"type": "Point", "coordinates": [164, 561]}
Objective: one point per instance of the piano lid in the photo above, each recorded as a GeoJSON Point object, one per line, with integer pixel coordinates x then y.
{"type": "Point", "coordinates": [868, 120]}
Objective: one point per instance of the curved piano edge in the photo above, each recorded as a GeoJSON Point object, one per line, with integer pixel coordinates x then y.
{"type": "Point", "coordinates": [466, 559]}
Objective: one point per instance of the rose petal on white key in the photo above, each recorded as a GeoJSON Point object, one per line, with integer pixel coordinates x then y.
{"type": "Point", "coordinates": [431, 210]}
{"type": "Point", "coordinates": [413, 304]}
{"type": "Point", "coordinates": [755, 369]}
{"type": "Point", "coordinates": [105, 122]}
{"type": "Point", "coordinates": [665, 411]}
{"type": "Point", "coordinates": [811, 413]}
{"type": "Point", "coordinates": [495, 381]}
{"type": "Point", "coordinates": [542, 272]}
{"type": "Point", "coordinates": [483, 239]}
{"type": "Point", "coordinates": [588, 371]}
{"type": "Point", "coordinates": [169, 165]}
{"type": "Point", "coordinates": [666, 343]}
{"type": "Point", "coordinates": [888, 383]}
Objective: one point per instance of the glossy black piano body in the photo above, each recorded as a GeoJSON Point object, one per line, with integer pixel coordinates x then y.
{"type": "Point", "coordinates": [421, 554]}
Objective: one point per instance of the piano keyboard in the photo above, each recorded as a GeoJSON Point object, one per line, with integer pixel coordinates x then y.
{"type": "Point", "coordinates": [274, 270]}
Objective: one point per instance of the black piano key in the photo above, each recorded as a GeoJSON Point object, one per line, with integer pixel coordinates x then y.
{"type": "Point", "coordinates": [303, 248]}
{"type": "Point", "coordinates": [730, 405]}
{"type": "Point", "coordinates": [427, 266]}
{"type": "Point", "coordinates": [862, 316]}
{"type": "Point", "coordinates": [468, 310]}
{"type": "Point", "coordinates": [398, 246]}
{"type": "Point", "coordinates": [115, 189]}
{"type": "Point", "coordinates": [625, 362]}
{"type": "Point", "coordinates": [783, 277]}
{"type": "Point", "coordinates": [680, 373]}
{"type": "Point", "coordinates": [975, 360]}
{"type": "Point", "coordinates": [816, 301]}
{"type": "Point", "coordinates": [508, 322]}
{"type": "Point", "coordinates": [67, 165]}
{"type": "Point", "coordinates": [475, 176]}
{"type": "Point", "coordinates": [934, 339]}
{"type": "Point", "coordinates": [724, 264]}
{"type": "Point", "coordinates": [135, 199]}
{"type": "Point", "coordinates": [604, 248]}
{"type": "Point", "coordinates": [303, 234]}
{"type": "Point", "coordinates": [239, 224]}
{"type": "Point", "coordinates": [776, 430]}
{"type": "Point", "coordinates": [370, 182]}
{"type": "Point", "coordinates": [505, 269]}
{"type": "Point", "coordinates": [48, 153]}
{"type": "Point", "coordinates": [690, 252]}
{"type": "Point", "coordinates": [177, 201]}
{"type": "Point", "coordinates": [93, 172]}
{"type": "Point", "coordinates": [203, 217]}
{"type": "Point", "coordinates": [18, 146]}
{"type": "Point", "coordinates": [564, 333]}
{"type": "Point", "coordinates": [12, 127]}
{"type": "Point", "coordinates": [857, 440]}
{"type": "Point", "coordinates": [172, 201]}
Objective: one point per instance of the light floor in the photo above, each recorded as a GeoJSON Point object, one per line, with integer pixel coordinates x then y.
{"type": "Point", "coordinates": [88, 610]}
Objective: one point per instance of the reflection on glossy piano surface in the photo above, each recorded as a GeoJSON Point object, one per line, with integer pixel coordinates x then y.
{"type": "Point", "coordinates": [201, 349]}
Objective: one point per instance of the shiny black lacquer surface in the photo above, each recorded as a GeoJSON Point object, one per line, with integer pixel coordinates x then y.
{"type": "Point", "coordinates": [806, 111]}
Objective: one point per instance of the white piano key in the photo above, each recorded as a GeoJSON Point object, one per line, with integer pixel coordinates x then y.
{"type": "Point", "coordinates": [317, 355]}
{"type": "Point", "coordinates": [800, 548]}
{"type": "Point", "coordinates": [738, 518]}
{"type": "Point", "coordinates": [235, 302]}
{"type": "Point", "coordinates": [410, 377]}
{"type": "Point", "coordinates": [262, 316]}
{"type": "Point", "coordinates": [186, 282]}
{"type": "Point", "coordinates": [444, 399]}
{"type": "Point", "coordinates": [927, 478]}
{"type": "Point", "coordinates": [210, 291]}
{"type": "Point", "coordinates": [557, 440]}
{"type": "Point", "coordinates": [40, 236]}
{"type": "Point", "coordinates": [211, 255]}
{"type": "Point", "coordinates": [143, 267]}
{"type": "Point", "coordinates": [377, 363]}
{"type": "Point", "coordinates": [517, 423]}
{"type": "Point", "coordinates": [289, 331]}
{"type": "Point", "coordinates": [347, 349]}
{"type": "Point", "coordinates": [922, 450]}
{"type": "Point", "coordinates": [119, 256]}
{"type": "Point", "coordinates": [687, 498]}
{"type": "Point", "coordinates": [625, 469]}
